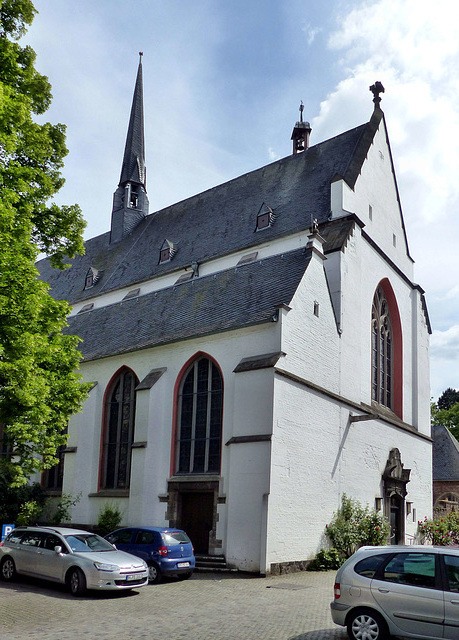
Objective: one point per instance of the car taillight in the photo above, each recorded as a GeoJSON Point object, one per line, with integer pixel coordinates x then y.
{"type": "Point", "coordinates": [337, 589]}
{"type": "Point", "coordinates": [162, 551]}
{"type": "Point", "coordinates": [1, 544]}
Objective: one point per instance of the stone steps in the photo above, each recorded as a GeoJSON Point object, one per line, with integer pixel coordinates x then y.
{"type": "Point", "coordinates": [215, 564]}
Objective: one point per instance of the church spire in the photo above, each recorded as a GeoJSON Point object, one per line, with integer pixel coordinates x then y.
{"type": "Point", "coordinates": [133, 169]}
{"type": "Point", "coordinates": [130, 202]}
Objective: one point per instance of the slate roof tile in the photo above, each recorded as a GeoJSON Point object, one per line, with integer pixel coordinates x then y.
{"type": "Point", "coordinates": [218, 221]}
{"type": "Point", "coordinates": [445, 454]}
{"type": "Point", "coordinates": [231, 299]}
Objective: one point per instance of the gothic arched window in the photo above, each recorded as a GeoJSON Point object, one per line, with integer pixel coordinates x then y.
{"type": "Point", "coordinates": [200, 411]}
{"type": "Point", "coordinates": [382, 350]}
{"type": "Point", "coordinates": [119, 430]}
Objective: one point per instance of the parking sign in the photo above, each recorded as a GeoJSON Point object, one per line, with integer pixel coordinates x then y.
{"type": "Point", "coordinates": [6, 529]}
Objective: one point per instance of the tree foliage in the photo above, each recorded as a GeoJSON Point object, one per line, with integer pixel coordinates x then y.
{"type": "Point", "coordinates": [448, 398]}
{"type": "Point", "coordinates": [39, 388]}
{"type": "Point", "coordinates": [446, 411]}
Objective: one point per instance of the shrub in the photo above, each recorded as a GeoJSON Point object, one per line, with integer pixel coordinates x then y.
{"type": "Point", "coordinates": [443, 530]}
{"type": "Point", "coordinates": [109, 519]}
{"type": "Point", "coordinates": [326, 560]}
{"type": "Point", "coordinates": [63, 508]}
{"type": "Point", "coordinates": [29, 513]}
{"type": "Point", "coordinates": [15, 499]}
{"type": "Point", "coordinates": [354, 526]}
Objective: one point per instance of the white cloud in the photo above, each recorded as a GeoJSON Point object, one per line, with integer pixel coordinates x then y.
{"type": "Point", "coordinates": [413, 49]}
{"type": "Point", "coordinates": [445, 344]}
{"type": "Point", "coordinates": [310, 33]}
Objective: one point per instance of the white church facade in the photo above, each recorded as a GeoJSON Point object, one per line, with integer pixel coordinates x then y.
{"type": "Point", "coordinates": [255, 352]}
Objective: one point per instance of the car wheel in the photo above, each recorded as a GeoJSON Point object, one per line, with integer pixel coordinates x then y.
{"type": "Point", "coordinates": [154, 573]}
{"type": "Point", "coordinates": [76, 582]}
{"type": "Point", "coordinates": [365, 624]}
{"type": "Point", "coordinates": [8, 569]}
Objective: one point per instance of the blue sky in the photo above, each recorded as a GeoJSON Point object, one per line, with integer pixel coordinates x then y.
{"type": "Point", "coordinates": [222, 85]}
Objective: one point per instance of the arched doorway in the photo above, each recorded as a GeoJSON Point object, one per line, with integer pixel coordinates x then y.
{"type": "Point", "coordinates": [395, 479]}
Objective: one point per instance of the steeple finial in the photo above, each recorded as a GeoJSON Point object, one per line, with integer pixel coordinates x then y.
{"type": "Point", "coordinates": [130, 202]}
{"type": "Point", "coordinates": [376, 89]}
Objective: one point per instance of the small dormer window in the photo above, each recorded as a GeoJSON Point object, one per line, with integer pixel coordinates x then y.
{"type": "Point", "coordinates": [165, 255]}
{"type": "Point", "coordinates": [263, 220]}
{"type": "Point", "coordinates": [265, 217]}
{"type": "Point", "coordinates": [167, 251]}
{"type": "Point", "coordinates": [92, 276]}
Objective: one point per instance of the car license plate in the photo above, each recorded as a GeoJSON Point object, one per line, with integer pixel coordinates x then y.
{"type": "Point", "coordinates": [131, 577]}
{"type": "Point", "coordinates": [180, 565]}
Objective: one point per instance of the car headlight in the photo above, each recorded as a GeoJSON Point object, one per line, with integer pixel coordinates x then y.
{"type": "Point", "coordinates": [102, 566]}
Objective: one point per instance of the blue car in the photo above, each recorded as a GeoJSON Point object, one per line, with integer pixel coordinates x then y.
{"type": "Point", "coordinates": [167, 552]}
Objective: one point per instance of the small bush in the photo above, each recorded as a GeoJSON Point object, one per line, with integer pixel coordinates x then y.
{"type": "Point", "coordinates": [443, 530]}
{"type": "Point", "coordinates": [326, 560]}
{"type": "Point", "coordinates": [29, 513]}
{"type": "Point", "coordinates": [354, 526]}
{"type": "Point", "coordinates": [13, 499]}
{"type": "Point", "coordinates": [109, 519]}
{"type": "Point", "coordinates": [62, 513]}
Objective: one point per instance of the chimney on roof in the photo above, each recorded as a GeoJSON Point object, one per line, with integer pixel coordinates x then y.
{"type": "Point", "coordinates": [300, 135]}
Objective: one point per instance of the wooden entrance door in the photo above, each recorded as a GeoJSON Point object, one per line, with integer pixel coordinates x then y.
{"type": "Point", "coordinates": [396, 512]}
{"type": "Point", "coordinates": [196, 518]}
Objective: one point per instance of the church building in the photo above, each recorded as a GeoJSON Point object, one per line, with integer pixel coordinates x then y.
{"type": "Point", "coordinates": [255, 352]}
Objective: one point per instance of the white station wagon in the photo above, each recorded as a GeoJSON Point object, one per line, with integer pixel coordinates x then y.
{"type": "Point", "coordinates": [77, 558]}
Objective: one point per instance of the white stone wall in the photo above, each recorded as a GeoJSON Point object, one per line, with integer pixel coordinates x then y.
{"type": "Point", "coordinates": [317, 455]}
{"type": "Point", "coordinates": [247, 410]}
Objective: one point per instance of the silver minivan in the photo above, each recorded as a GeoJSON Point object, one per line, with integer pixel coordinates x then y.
{"type": "Point", "coordinates": [408, 591]}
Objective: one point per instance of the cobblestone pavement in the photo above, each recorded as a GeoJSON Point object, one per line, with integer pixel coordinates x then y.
{"type": "Point", "coordinates": [206, 607]}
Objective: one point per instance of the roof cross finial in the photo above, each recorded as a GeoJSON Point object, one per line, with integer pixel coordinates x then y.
{"type": "Point", "coordinates": [376, 89]}
{"type": "Point", "coordinates": [140, 53]}
{"type": "Point", "coordinates": [301, 110]}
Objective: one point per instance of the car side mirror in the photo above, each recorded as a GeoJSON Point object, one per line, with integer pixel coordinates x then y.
{"type": "Point", "coordinates": [58, 549]}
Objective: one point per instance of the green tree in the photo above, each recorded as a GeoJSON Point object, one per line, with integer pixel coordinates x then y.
{"type": "Point", "coordinates": [447, 417]}
{"type": "Point", "coordinates": [448, 398]}
{"type": "Point", "coordinates": [39, 386]}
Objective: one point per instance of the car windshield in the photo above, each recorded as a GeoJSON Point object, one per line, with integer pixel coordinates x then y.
{"type": "Point", "coordinates": [175, 537]}
{"type": "Point", "coordinates": [87, 542]}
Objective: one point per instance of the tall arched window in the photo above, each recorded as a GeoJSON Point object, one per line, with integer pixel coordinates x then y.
{"type": "Point", "coordinates": [119, 430]}
{"type": "Point", "coordinates": [382, 350]}
{"type": "Point", "coordinates": [200, 410]}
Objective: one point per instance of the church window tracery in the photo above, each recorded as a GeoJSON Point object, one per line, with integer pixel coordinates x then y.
{"type": "Point", "coordinates": [200, 412]}
{"type": "Point", "coordinates": [119, 430]}
{"type": "Point", "coordinates": [382, 350]}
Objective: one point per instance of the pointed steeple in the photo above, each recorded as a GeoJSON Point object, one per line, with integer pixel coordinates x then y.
{"type": "Point", "coordinates": [130, 202]}
{"type": "Point", "coordinates": [133, 169]}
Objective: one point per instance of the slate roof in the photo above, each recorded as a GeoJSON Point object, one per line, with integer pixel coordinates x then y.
{"type": "Point", "coordinates": [445, 454]}
{"type": "Point", "coordinates": [221, 220]}
{"type": "Point", "coordinates": [235, 298]}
